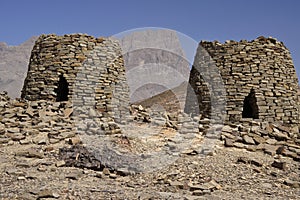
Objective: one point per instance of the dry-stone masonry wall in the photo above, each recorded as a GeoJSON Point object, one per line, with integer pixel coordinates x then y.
{"type": "Point", "coordinates": [89, 71]}
{"type": "Point", "coordinates": [258, 76]}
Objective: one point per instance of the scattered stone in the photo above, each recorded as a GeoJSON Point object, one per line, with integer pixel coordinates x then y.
{"type": "Point", "coordinates": [4, 140]}
{"type": "Point", "coordinates": [2, 129]}
{"type": "Point", "coordinates": [271, 141]}
{"type": "Point", "coordinates": [74, 175]}
{"type": "Point", "coordinates": [79, 156]}
{"type": "Point", "coordinates": [30, 153]}
{"type": "Point", "coordinates": [106, 171]}
{"type": "Point", "coordinates": [113, 176]}
{"type": "Point", "coordinates": [25, 141]}
{"type": "Point", "coordinates": [229, 142]}
{"type": "Point", "coordinates": [21, 178]}
{"type": "Point", "coordinates": [60, 163]}
{"type": "Point", "coordinates": [68, 112]}
{"type": "Point", "coordinates": [279, 135]}
{"type": "Point", "coordinates": [259, 139]}
{"type": "Point", "coordinates": [228, 135]}
{"type": "Point", "coordinates": [251, 148]}
{"type": "Point", "coordinates": [281, 150]}
{"type": "Point", "coordinates": [47, 193]}
{"type": "Point", "coordinates": [256, 163]}
{"type": "Point", "coordinates": [13, 130]}
{"type": "Point", "coordinates": [15, 172]}
{"type": "Point", "coordinates": [75, 141]}
{"type": "Point", "coordinates": [16, 136]}
{"type": "Point", "coordinates": [177, 184]}
{"type": "Point", "coordinates": [41, 139]}
{"type": "Point", "coordinates": [211, 185]}
{"type": "Point", "coordinates": [227, 129]}
{"type": "Point", "coordinates": [99, 174]}
{"type": "Point", "coordinates": [267, 185]}
{"type": "Point", "coordinates": [248, 139]}
{"type": "Point", "coordinates": [293, 184]}
{"type": "Point", "coordinates": [279, 165]}
{"type": "Point", "coordinates": [270, 149]}
{"type": "Point", "coordinates": [201, 192]}
{"type": "Point", "coordinates": [239, 145]}
{"type": "Point", "coordinates": [243, 160]}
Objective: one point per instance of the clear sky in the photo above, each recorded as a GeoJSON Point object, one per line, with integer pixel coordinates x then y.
{"type": "Point", "coordinates": [199, 19]}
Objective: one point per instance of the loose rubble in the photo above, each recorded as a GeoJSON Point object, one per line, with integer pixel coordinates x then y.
{"type": "Point", "coordinates": [43, 157]}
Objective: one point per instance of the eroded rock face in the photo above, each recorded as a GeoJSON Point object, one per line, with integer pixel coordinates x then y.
{"type": "Point", "coordinates": [155, 62]}
{"type": "Point", "coordinates": [14, 62]}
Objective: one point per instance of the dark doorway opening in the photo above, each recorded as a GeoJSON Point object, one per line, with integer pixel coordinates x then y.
{"type": "Point", "coordinates": [250, 109]}
{"type": "Point", "coordinates": [62, 89]}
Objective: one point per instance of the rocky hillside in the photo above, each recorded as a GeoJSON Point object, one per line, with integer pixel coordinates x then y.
{"type": "Point", "coordinates": [13, 66]}
{"type": "Point", "coordinates": [169, 100]}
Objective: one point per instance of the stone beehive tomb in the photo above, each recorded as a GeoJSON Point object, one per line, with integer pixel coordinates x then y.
{"type": "Point", "coordinates": [258, 77]}
{"type": "Point", "coordinates": [89, 71]}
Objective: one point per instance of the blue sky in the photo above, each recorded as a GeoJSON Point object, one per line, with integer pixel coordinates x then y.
{"type": "Point", "coordinates": [199, 19]}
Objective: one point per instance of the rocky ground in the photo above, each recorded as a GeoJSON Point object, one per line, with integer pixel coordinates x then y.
{"type": "Point", "coordinates": [35, 171]}
{"type": "Point", "coordinates": [50, 161]}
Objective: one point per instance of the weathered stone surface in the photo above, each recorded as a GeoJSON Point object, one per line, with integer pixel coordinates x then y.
{"type": "Point", "coordinates": [156, 49]}
{"type": "Point", "coordinates": [78, 156]}
{"type": "Point", "coordinates": [279, 165]}
{"type": "Point", "coordinates": [248, 140]}
{"type": "Point", "coordinates": [291, 183]}
{"type": "Point", "coordinates": [46, 193]}
{"type": "Point", "coordinates": [229, 142]}
{"type": "Point", "coordinates": [30, 153]}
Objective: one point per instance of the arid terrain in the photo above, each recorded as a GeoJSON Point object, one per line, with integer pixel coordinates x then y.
{"type": "Point", "coordinates": [39, 161]}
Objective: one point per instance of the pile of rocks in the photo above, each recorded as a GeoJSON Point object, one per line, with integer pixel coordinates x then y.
{"type": "Point", "coordinates": [271, 138]}
{"type": "Point", "coordinates": [176, 120]}
{"type": "Point", "coordinates": [47, 122]}
{"type": "Point", "coordinates": [43, 122]}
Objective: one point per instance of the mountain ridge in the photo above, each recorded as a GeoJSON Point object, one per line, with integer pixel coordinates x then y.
{"type": "Point", "coordinates": [13, 66]}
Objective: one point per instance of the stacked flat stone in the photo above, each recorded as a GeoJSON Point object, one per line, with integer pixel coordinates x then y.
{"type": "Point", "coordinates": [53, 56]}
{"type": "Point", "coordinates": [93, 69]}
{"type": "Point", "coordinates": [263, 66]}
